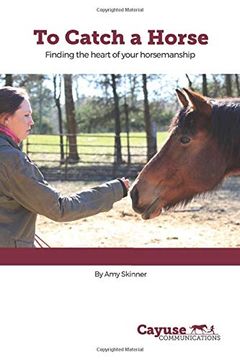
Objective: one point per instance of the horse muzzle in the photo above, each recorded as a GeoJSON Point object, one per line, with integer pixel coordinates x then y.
{"type": "Point", "coordinates": [135, 198]}
{"type": "Point", "coordinates": [153, 210]}
{"type": "Point", "coordinates": [146, 211]}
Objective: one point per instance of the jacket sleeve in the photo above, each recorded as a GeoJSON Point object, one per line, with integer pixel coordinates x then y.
{"type": "Point", "coordinates": [28, 187]}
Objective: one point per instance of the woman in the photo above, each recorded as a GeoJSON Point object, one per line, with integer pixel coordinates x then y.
{"type": "Point", "coordinates": [23, 191]}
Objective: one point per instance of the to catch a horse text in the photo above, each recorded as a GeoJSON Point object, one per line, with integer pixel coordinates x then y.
{"type": "Point", "coordinates": [155, 37]}
{"type": "Point", "coordinates": [120, 274]}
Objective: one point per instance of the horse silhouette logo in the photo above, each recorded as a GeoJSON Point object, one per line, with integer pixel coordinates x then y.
{"type": "Point", "coordinates": [202, 328]}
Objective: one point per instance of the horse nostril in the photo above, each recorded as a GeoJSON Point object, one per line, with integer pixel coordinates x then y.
{"type": "Point", "coordinates": [134, 195]}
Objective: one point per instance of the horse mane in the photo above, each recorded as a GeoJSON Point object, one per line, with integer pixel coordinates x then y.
{"type": "Point", "coordinates": [225, 127]}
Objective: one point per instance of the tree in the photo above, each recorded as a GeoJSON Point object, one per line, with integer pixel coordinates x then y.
{"type": "Point", "coordinates": [237, 84]}
{"type": "Point", "coordinates": [134, 87]}
{"type": "Point", "coordinates": [57, 85]}
{"type": "Point", "coordinates": [71, 121]}
{"type": "Point", "coordinates": [189, 82]}
{"type": "Point", "coordinates": [126, 111]}
{"type": "Point", "coordinates": [149, 126]}
{"type": "Point", "coordinates": [204, 85]}
{"type": "Point", "coordinates": [118, 149]}
{"type": "Point", "coordinates": [8, 80]}
{"type": "Point", "coordinates": [228, 84]}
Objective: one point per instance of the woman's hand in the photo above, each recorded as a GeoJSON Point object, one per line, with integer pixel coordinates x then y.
{"type": "Point", "coordinates": [126, 182]}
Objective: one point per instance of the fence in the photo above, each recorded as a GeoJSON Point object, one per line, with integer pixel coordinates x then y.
{"type": "Point", "coordinates": [96, 155]}
{"type": "Point", "coordinates": [92, 149]}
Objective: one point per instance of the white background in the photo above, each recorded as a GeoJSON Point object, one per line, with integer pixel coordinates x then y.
{"type": "Point", "coordinates": [64, 312]}
{"type": "Point", "coordinates": [19, 52]}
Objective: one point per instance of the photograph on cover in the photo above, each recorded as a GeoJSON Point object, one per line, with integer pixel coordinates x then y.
{"type": "Point", "coordinates": [119, 160]}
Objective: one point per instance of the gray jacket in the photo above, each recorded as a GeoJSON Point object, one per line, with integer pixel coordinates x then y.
{"type": "Point", "coordinates": [24, 193]}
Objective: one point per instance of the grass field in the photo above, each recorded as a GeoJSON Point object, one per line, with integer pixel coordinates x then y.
{"type": "Point", "coordinates": [91, 147]}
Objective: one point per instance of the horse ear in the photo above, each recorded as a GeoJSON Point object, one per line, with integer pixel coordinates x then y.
{"type": "Point", "coordinates": [182, 98]}
{"type": "Point", "coordinates": [199, 102]}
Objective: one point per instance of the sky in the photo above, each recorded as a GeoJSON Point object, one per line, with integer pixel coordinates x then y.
{"type": "Point", "coordinates": [164, 86]}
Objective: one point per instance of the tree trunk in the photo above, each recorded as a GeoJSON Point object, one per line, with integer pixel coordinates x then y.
{"type": "Point", "coordinates": [149, 126]}
{"type": "Point", "coordinates": [71, 120]}
{"type": "Point", "coordinates": [40, 101]}
{"type": "Point", "coordinates": [126, 110]}
{"type": "Point", "coordinates": [8, 80]}
{"type": "Point", "coordinates": [189, 82]}
{"type": "Point", "coordinates": [133, 82]}
{"type": "Point", "coordinates": [237, 84]}
{"type": "Point", "coordinates": [118, 147]}
{"type": "Point", "coordinates": [204, 85]}
{"type": "Point", "coordinates": [59, 110]}
{"type": "Point", "coordinates": [228, 83]}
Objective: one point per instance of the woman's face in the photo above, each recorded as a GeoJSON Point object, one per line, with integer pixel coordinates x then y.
{"type": "Point", "coordinates": [21, 121]}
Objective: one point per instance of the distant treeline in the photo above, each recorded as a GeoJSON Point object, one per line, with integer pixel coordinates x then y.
{"type": "Point", "coordinates": [65, 104]}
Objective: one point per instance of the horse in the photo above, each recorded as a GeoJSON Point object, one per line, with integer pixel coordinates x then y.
{"type": "Point", "coordinates": [198, 327]}
{"type": "Point", "coordinates": [202, 149]}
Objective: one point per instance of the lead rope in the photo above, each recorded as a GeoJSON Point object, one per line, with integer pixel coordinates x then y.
{"type": "Point", "coordinates": [41, 242]}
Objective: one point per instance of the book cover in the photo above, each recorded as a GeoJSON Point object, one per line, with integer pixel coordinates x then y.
{"type": "Point", "coordinates": [157, 275]}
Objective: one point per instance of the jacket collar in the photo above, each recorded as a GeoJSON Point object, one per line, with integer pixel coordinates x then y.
{"type": "Point", "coordinates": [9, 140]}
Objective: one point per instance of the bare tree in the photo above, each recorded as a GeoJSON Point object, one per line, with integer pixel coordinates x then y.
{"type": "Point", "coordinates": [8, 80]}
{"type": "Point", "coordinates": [133, 87]}
{"type": "Point", "coordinates": [57, 85]}
{"type": "Point", "coordinates": [189, 82]}
{"type": "Point", "coordinates": [149, 126]}
{"type": "Point", "coordinates": [237, 84]}
{"type": "Point", "coordinates": [71, 120]}
{"type": "Point", "coordinates": [40, 105]}
{"type": "Point", "coordinates": [228, 84]}
{"type": "Point", "coordinates": [118, 148]}
{"type": "Point", "coordinates": [126, 111]}
{"type": "Point", "coordinates": [204, 85]}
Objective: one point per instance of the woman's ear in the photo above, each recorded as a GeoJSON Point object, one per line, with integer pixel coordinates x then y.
{"type": "Point", "coordinates": [6, 122]}
{"type": "Point", "coordinates": [5, 119]}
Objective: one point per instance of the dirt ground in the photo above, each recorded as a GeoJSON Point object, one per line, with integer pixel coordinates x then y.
{"type": "Point", "coordinates": [213, 221]}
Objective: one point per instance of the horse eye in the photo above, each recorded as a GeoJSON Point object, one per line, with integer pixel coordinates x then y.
{"type": "Point", "coordinates": [185, 139]}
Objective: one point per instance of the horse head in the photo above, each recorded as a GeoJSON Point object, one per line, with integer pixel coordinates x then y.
{"type": "Point", "coordinates": [191, 161]}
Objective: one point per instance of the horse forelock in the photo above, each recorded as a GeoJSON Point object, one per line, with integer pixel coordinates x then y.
{"type": "Point", "coordinates": [224, 125]}
{"type": "Point", "coordinates": [184, 121]}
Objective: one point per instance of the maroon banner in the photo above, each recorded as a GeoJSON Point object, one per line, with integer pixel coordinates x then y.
{"type": "Point", "coordinates": [120, 256]}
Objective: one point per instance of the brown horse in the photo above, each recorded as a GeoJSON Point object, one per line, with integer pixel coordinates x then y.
{"type": "Point", "coordinates": [198, 327]}
{"type": "Point", "coordinates": [202, 149]}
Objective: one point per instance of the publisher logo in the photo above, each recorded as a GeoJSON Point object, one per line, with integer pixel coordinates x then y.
{"type": "Point", "coordinates": [195, 332]}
